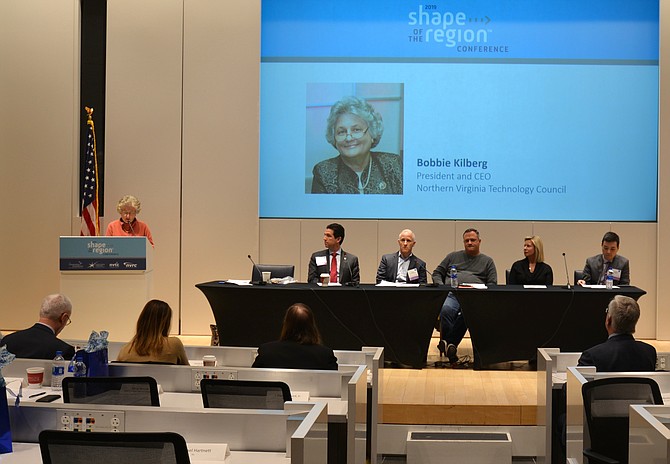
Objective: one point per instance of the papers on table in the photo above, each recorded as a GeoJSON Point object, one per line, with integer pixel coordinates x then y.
{"type": "Point", "coordinates": [472, 285]}
{"type": "Point", "coordinates": [597, 286]}
{"type": "Point", "coordinates": [330, 284]}
{"type": "Point", "coordinates": [237, 282]}
{"type": "Point", "coordinates": [384, 283]}
{"type": "Point", "coordinates": [534, 286]}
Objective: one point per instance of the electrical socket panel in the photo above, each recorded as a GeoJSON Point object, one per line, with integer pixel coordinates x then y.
{"type": "Point", "coordinates": [91, 421]}
{"type": "Point", "coordinates": [663, 361]}
{"type": "Point", "coordinates": [210, 373]}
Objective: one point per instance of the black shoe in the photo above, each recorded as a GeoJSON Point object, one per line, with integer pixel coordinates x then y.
{"type": "Point", "coordinates": [451, 352]}
{"type": "Point", "coordinates": [442, 346]}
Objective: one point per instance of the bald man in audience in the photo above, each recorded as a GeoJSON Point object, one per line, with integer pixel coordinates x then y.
{"type": "Point", "coordinates": [403, 265]}
{"type": "Point", "coordinates": [621, 352]}
{"type": "Point", "coordinates": [41, 340]}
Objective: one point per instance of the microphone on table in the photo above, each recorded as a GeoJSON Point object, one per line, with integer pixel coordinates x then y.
{"type": "Point", "coordinates": [567, 276]}
{"type": "Point", "coordinates": [260, 280]}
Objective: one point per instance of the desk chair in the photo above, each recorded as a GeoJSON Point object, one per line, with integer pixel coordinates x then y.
{"type": "Point", "coordinates": [507, 273]}
{"type": "Point", "coordinates": [579, 275]}
{"type": "Point", "coordinates": [606, 403]}
{"type": "Point", "coordinates": [128, 391]}
{"type": "Point", "coordinates": [244, 394]}
{"type": "Point", "coordinates": [277, 271]}
{"type": "Point", "coordinates": [61, 447]}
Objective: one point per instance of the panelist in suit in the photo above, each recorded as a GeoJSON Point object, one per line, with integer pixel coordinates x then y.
{"type": "Point", "coordinates": [41, 340]}
{"type": "Point", "coordinates": [472, 266]}
{"type": "Point", "coordinates": [129, 226]}
{"type": "Point", "coordinates": [299, 346]}
{"type": "Point", "coordinates": [595, 269]}
{"type": "Point", "coordinates": [403, 266]}
{"type": "Point", "coordinates": [342, 266]}
{"type": "Point", "coordinates": [531, 270]}
{"type": "Point", "coordinates": [621, 352]}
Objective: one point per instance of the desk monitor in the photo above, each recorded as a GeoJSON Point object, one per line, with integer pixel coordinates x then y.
{"type": "Point", "coordinates": [277, 271]}
{"type": "Point", "coordinates": [244, 394]}
{"type": "Point", "coordinates": [128, 391]}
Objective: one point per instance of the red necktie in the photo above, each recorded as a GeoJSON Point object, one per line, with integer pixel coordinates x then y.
{"type": "Point", "coordinates": [333, 269]}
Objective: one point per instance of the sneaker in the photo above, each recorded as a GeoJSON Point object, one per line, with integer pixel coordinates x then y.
{"type": "Point", "coordinates": [442, 347]}
{"type": "Point", "coordinates": [451, 353]}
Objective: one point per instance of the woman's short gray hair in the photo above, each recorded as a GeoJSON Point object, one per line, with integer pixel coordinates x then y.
{"type": "Point", "coordinates": [360, 108]}
{"type": "Point", "coordinates": [128, 200]}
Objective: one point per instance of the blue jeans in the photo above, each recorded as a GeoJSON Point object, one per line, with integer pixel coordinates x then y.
{"type": "Point", "coordinates": [452, 324]}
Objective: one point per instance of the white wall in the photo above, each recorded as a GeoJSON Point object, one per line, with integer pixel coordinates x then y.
{"type": "Point", "coordinates": [182, 135]}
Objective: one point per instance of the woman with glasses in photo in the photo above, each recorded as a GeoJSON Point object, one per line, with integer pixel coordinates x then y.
{"type": "Point", "coordinates": [354, 128]}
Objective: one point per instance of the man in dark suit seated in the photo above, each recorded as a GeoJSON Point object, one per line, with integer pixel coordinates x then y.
{"type": "Point", "coordinates": [621, 352]}
{"type": "Point", "coordinates": [41, 340]}
{"type": "Point", "coordinates": [342, 266]}
{"type": "Point", "coordinates": [596, 267]}
{"type": "Point", "coordinates": [403, 266]}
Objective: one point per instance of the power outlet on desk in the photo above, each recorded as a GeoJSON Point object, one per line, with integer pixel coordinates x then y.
{"type": "Point", "coordinates": [211, 373]}
{"type": "Point", "coordinates": [663, 361]}
{"type": "Point", "coordinates": [91, 421]}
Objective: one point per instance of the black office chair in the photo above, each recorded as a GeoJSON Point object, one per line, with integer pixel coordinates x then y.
{"type": "Point", "coordinates": [579, 275]}
{"type": "Point", "coordinates": [507, 272]}
{"type": "Point", "coordinates": [128, 391]}
{"type": "Point", "coordinates": [606, 403]}
{"type": "Point", "coordinates": [62, 447]}
{"type": "Point", "coordinates": [244, 394]}
{"type": "Point", "coordinates": [277, 271]}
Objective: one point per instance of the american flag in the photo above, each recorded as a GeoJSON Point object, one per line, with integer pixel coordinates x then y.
{"type": "Point", "coordinates": [90, 221]}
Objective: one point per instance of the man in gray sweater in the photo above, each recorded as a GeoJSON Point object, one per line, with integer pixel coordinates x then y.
{"type": "Point", "coordinates": [472, 267]}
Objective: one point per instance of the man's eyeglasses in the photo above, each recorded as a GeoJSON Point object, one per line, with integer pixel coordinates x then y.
{"type": "Point", "coordinates": [69, 320]}
{"type": "Point", "coordinates": [355, 133]}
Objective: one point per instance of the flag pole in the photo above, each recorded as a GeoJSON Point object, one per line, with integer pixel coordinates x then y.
{"type": "Point", "coordinates": [90, 219]}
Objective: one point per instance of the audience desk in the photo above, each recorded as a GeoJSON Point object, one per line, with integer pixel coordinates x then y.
{"type": "Point", "coordinates": [509, 323]}
{"type": "Point", "coordinates": [399, 319]}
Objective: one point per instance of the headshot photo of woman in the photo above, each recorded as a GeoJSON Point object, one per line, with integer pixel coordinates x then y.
{"type": "Point", "coordinates": [354, 128]}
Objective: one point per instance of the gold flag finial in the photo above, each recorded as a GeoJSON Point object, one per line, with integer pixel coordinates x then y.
{"type": "Point", "coordinates": [89, 111]}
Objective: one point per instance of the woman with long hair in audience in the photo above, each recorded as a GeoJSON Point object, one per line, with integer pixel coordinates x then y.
{"type": "Point", "coordinates": [152, 342]}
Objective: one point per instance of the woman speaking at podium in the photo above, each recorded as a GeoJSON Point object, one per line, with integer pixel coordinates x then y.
{"type": "Point", "coordinates": [129, 226]}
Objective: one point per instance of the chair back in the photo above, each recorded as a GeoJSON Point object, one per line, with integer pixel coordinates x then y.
{"type": "Point", "coordinates": [579, 275]}
{"type": "Point", "coordinates": [277, 271]}
{"type": "Point", "coordinates": [66, 447]}
{"type": "Point", "coordinates": [606, 404]}
{"type": "Point", "coordinates": [507, 272]}
{"type": "Point", "coordinates": [128, 391]}
{"type": "Point", "coordinates": [244, 394]}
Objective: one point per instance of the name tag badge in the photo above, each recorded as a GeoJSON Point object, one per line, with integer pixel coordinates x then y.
{"type": "Point", "coordinates": [412, 275]}
{"type": "Point", "coordinates": [617, 274]}
{"type": "Point", "coordinates": [321, 261]}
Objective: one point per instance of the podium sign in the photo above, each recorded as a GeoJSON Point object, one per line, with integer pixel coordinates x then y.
{"type": "Point", "coordinates": [104, 254]}
{"type": "Point", "coordinates": [108, 280]}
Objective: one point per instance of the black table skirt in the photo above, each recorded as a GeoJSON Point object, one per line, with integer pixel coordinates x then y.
{"type": "Point", "coordinates": [399, 319]}
{"type": "Point", "coordinates": [506, 323]}
{"type": "Point", "coordinates": [509, 323]}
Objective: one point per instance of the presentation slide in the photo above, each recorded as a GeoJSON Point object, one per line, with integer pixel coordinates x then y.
{"type": "Point", "coordinates": [460, 109]}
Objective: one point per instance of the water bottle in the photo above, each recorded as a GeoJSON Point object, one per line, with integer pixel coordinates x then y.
{"type": "Point", "coordinates": [79, 367]}
{"type": "Point", "coordinates": [57, 371]}
{"type": "Point", "coordinates": [453, 277]}
{"type": "Point", "coordinates": [70, 367]}
{"type": "Point", "coordinates": [609, 282]}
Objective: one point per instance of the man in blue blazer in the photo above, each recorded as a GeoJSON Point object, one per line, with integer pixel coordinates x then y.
{"type": "Point", "coordinates": [345, 269]}
{"type": "Point", "coordinates": [621, 352]}
{"type": "Point", "coordinates": [403, 266]}
{"type": "Point", "coordinates": [595, 269]}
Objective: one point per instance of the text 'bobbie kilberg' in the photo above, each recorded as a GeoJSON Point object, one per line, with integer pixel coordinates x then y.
{"type": "Point", "coordinates": [451, 163]}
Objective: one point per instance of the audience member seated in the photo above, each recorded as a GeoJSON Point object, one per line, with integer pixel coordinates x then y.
{"type": "Point", "coordinates": [621, 352]}
{"type": "Point", "coordinates": [299, 346]}
{"type": "Point", "coordinates": [531, 270]}
{"type": "Point", "coordinates": [151, 342]}
{"type": "Point", "coordinates": [41, 340]}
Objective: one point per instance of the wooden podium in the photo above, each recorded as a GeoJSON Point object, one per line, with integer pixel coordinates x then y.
{"type": "Point", "coordinates": [108, 280]}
